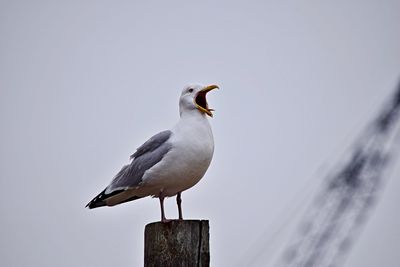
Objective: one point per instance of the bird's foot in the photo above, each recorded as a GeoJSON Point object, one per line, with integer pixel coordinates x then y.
{"type": "Point", "coordinates": [165, 220]}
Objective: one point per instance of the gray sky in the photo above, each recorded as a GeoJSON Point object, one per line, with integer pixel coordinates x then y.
{"type": "Point", "coordinates": [84, 83]}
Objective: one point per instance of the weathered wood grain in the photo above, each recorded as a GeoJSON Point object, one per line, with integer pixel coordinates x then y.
{"type": "Point", "coordinates": [177, 244]}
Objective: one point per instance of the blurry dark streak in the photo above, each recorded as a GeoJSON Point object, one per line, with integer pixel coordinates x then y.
{"type": "Point", "coordinates": [331, 225]}
{"type": "Point", "coordinates": [385, 120]}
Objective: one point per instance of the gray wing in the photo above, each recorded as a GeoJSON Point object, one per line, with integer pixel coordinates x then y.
{"type": "Point", "coordinates": [145, 157]}
{"type": "Point", "coordinates": [152, 144]}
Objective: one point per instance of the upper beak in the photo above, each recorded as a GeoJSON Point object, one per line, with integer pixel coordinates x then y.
{"type": "Point", "coordinates": [201, 101]}
{"type": "Point", "coordinates": [209, 88]}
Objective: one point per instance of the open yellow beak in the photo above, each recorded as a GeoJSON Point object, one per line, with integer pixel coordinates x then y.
{"type": "Point", "coordinates": [201, 101]}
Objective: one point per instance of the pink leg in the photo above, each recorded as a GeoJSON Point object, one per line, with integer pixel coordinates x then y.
{"type": "Point", "coordinates": [179, 202]}
{"type": "Point", "coordinates": [163, 219]}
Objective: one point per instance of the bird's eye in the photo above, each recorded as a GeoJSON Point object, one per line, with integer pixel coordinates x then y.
{"type": "Point", "coordinates": [190, 90]}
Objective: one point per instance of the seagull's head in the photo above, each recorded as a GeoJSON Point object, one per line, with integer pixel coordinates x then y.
{"type": "Point", "coordinates": [193, 97]}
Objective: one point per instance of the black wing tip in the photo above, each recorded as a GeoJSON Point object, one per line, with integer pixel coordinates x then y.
{"type": "Point", "coordinates": [97, 202]}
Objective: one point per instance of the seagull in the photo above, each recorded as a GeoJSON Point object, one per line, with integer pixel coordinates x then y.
{"type": "Point", "coordinates": [171, 161]}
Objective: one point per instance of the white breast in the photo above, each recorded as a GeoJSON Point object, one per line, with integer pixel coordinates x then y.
{"type": "Point", "coordinates": [186, 163]}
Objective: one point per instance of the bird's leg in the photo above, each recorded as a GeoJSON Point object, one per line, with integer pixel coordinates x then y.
{"type": "Point", "coordinates": [163, 219]}
{"type": "Point", "coordinates": [179, 202]}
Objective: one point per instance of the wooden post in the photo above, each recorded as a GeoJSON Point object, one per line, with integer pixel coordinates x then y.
{"type": "Point", "coordinates": [177, 244]}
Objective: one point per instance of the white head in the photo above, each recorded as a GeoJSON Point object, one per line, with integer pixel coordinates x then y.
{"type": "Point", "coordinates": [193, 99]}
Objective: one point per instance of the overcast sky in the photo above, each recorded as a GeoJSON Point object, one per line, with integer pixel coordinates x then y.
{"type": "Point", "coordinates": [84, 83]}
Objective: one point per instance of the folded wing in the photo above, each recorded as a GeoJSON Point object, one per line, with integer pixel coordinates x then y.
{"type": "Point", "coordinates": [130, 176]}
